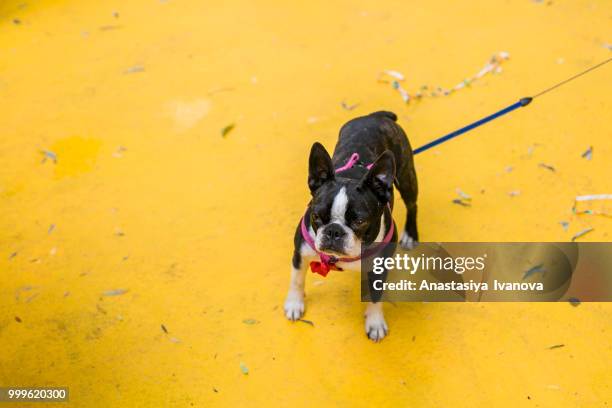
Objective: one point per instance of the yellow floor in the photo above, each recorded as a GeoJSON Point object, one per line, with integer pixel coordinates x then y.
{"type": "Point", "coordinates": [147, 195]}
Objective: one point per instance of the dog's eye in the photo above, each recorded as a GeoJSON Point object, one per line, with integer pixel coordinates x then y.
{"type": "Point", "coordinates": [315, 219]}
{"type": "Point", "coordinates": [359, 223]}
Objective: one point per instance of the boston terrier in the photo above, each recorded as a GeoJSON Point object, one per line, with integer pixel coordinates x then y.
{"type": "Point", "coordinates": [352, 200]}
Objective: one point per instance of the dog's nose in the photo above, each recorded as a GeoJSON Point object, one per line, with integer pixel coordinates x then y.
{"type": "Point", "coordinates": [335, 232]}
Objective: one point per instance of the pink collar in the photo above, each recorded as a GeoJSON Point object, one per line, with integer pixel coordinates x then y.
{"type": "Point", "coordinates": [328, 262]}
{"type": "Point", "coordinates": [351, 162]}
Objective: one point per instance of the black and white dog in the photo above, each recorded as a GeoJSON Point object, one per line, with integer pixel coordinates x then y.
{"type": "Point", "coordinates": [352, 199]}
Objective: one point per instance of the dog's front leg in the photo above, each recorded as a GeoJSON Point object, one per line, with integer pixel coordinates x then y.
{"type": "Point", "coordinates": [294, 303]}
{"type": "Point", "coordinates": [375, 325]}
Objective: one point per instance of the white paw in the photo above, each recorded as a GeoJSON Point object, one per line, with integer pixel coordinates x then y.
{"type": "Point", "coordinates": [407, 242]}
{"type": "Point", "coordinates": [294, 306]}
{"type": "Point", "coordinates": [375, 326]}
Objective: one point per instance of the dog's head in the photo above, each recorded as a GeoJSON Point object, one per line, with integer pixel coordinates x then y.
{"type": "Point", "coordinates": [346, 212]}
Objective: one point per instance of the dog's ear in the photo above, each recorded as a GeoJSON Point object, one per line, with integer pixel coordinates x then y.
{"type": "Point", "coordinates": [320, 167]}
{"type": "Point", "coordinates": [379, 178]}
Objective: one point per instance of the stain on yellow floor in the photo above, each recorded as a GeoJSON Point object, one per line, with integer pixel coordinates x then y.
{"type": "Point", "coordinates": [147, 196]}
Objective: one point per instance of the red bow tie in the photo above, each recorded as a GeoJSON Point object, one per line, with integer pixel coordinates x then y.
{"type": "Point", "coordinates": [328, 263]}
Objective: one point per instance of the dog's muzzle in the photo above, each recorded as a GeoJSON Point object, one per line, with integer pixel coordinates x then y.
{"type": "Point", "coordinates": [332, 238]}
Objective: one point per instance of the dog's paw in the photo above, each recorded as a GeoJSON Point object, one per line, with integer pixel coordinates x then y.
{"type": "Point", "coordinates": [407, 242]}
{"type": "Point", "coordinates": [375, 326]}
{"type": "Point", "coordinates": [294, 306]}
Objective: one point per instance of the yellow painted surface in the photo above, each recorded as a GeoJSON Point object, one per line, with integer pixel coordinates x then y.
{"type": "Point", "coordinates": [147, 196]}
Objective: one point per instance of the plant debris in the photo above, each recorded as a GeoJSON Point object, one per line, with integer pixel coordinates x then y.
{"type": "Point", "coordinates": [588, 154]}
{"type": "Point", "coordinates": [591, 212]}
{"type": "Point", "coordinates": [464, 198]}
{"type": "Point", "coordinates": [591, 197]}
{"type": "Point", "coordinates": [225, 131]}
{"type": "Point", "coordinates": [306, 321]}
{"type": "Point", "coordinates": [581, 233]}
{"type": "Point", "coordinates": [134, 69]}
{"type": "Point", "coordinates": [244, 368]}
{"type": "Point", "coordinates": [564, 225]}
{"type": "Point", "coordinates": [547, 167]}
{"type": "Point", "coordinates": [461, 202]}
{"type": "Point", "coordinates": [514, 193]}
{"type": "Point", "coordinates": [119, 152]}
{"type": "Point", "coordinates": [164, 329]}
{"type": "Point", "coordinates": [51, 228]}
{"type": "Point", "coordinates": [11, 256]}
{"type": "Point", "coordinates": [395, 77]}
{"type": "Point", "coordinates": [463, 195]}
{"type": "Point", "coordinates": [22, 289]}
{"type": "Point", "coordinates": [250, 321]}
{"type": "Point", "coordinates": [110, 27]}
{"type": "Point", "coordinates": [532, 271]}
{"type": "Point", "coordinates": [556, 346]}
{"type": "Point", "coordinates": [115, 292]}
{"type": "Point", "coordinates": [404, 93]}
{"type": "Point", "coordinates": [394, 74]}
{"type": "Point", "coordinates": [47, 154]}
{"type": "Point", "coordinates": [574, 301]}
{"type": "Point", "coordinates": [347, 107]}
{"type": "Point", "coordinates": [219, 89]}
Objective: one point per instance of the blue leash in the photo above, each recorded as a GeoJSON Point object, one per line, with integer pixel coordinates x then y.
{"type": "Point", "coordinates": [523, 102]}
